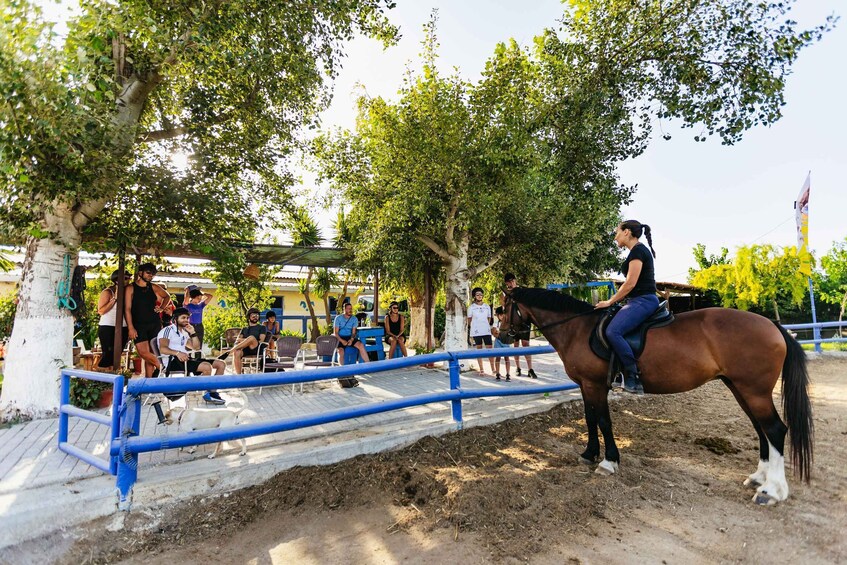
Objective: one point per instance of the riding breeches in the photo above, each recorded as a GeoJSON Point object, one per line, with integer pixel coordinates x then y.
{"type": "Point", "coordinates": [635, 311]}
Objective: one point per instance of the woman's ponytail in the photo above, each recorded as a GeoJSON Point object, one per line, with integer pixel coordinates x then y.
{"type": "Point", "coordinates": [649, 236]}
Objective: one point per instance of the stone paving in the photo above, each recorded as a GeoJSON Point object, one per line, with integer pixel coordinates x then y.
{"type": "Point", "coordinates": [29, 455]}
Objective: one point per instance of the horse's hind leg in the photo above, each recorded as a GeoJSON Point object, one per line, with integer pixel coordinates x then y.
{"type": "Point", "coordinates": [774, 488]}
{"type": "Point", "coordinates": [592, 450]}
{"type": "Point", "coordinates": [758, 478]}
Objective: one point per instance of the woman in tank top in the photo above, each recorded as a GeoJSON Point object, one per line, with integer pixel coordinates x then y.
{"type": "Point", "coordinates": [107, 308]}
{"type": "Point", "coordinates": [395, 325]}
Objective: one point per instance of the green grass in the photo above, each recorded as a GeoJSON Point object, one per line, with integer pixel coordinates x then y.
{"type": "Point", "coordinates": [826, 346]}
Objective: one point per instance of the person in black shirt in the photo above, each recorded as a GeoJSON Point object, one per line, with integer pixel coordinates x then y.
{"type": "Point", "coordinates": [639, 290]}
{"type": "Point", "coordinates": [249, 342]}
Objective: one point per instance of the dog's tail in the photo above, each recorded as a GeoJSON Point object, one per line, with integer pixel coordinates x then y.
{"type": "Point", "coordinates": [240, 399]}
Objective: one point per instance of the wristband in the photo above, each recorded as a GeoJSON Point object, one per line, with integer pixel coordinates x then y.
{"type": "Point", "coordinates": [192, 335]}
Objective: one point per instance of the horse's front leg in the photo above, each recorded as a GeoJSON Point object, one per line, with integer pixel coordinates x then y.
{"type": "Point", "coordinates": [597, 396]}
{"type": "Point", "coordinates": [592, 450]}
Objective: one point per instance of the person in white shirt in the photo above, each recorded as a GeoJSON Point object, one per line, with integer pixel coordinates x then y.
{"type": "Point", "coordinates": [172, 341]}
{"type": "Point", "coordinates": [479, 319]}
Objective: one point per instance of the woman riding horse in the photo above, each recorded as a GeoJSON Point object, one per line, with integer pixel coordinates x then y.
{"type": "Point", "coordinates": [743, 350]}
{"type": "Point", "coordinates": [639, 290]}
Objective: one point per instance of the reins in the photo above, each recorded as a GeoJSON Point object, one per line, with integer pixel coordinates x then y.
{"type": "Point", "coordinates": [559, 322]}
{"type": "Point", "coordinates": [546, 326]}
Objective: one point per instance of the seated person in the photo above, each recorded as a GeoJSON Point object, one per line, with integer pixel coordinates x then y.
{"type": "Point", "coordinates": [249, 342]}
{"type": "Point", "coordinates": [173, 342]}
{"type": "Point", "coordinates": [272, 327]}
{"type": "Point", "coordinates": [344, 328]}
{"type": "Point", "coordinates": [395, 325]}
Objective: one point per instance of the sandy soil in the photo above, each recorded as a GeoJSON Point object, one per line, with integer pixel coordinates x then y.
{"type": "Point", "coordinates": [514, 492]}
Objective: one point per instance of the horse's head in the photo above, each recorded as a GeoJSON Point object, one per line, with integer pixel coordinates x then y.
{"type": "Point", "coordinates": [516, 317]}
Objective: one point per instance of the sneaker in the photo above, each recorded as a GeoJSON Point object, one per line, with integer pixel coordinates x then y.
{"type": "Point", "coordinates": [508, 378]}
{"type": "Point", "coordinates": [214, 394]}
{"type": "Point", "coordinates": [211, 400]}
{"type": "Point", "coordinates": [518, 372]}
{"type": "Point", "coordinates": [223, 356]}
{"type": "Point", "coordinates": [497, 377]}
{"type": "Point", "coordinates": [155, 374]}
{"type": "Point", "coordinates": [632, 384]}
{"type": "Point", "coordinates": [531, 374]}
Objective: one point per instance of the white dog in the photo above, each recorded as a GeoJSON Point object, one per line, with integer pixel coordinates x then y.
{"type": "Point", "coordinates": [196, 418]}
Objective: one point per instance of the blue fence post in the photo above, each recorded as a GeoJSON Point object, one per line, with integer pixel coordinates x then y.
{"type": "Point", "coordinates": [454, 385]}
{"type": "Point", "coordinates": [128, 462]}
{"type": "Point", "coordinates": [64, 398]}
{"type": "Point", "coordinates": [117, 401]}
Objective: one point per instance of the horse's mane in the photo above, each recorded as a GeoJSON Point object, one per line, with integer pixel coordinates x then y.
{"type": "Point", "coordinates": [550, 300]}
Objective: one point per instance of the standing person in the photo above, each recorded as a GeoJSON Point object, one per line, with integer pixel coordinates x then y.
{"type": "Point", "coordinates": [639, 290]}
{"type": "Point", "coordinates": [174, 340]}
{"type": "Point", "coordinates": [272, 329]}
{"type": "Point", "coordinates": [252, 338]}
{"type": "Point", "coordinates": [521, 338]}
{"type": "Point", "coordinates": [479, 319]}
{"type": "Point", "coordinates": [142, 314]}
{"type": "Point", "coordinates": [195, 300]}
{"type": "Point", "coordinates": [495, 331]}
{"type": "Point", "coordinates": [395, 325]}
{"type": "Point", "coordinates": [107, 308]}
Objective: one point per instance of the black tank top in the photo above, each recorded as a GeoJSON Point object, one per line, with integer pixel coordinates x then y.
{"type": "Point", "coordinates": [394, 326]}
{"type": "Point", "coordinates": [143, 305]}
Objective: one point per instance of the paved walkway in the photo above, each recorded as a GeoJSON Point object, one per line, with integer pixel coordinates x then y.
{"type": "Point", "coordinates": [33, 471]}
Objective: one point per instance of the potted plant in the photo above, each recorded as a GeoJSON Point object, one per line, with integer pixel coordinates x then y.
{"type": "Point", "coordinates": [88, 394]}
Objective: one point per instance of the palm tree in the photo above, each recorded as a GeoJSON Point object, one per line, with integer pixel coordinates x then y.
{"type": "Point", "coordinates": [324, 281]}
{"type": "Point", "coordinates": [305, 233]}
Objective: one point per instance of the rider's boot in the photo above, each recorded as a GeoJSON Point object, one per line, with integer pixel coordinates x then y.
{"type": "Point", "coordinates": [632, 381]}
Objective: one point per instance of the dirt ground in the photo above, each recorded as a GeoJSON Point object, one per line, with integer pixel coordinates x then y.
{"type": "Point", "coordinates": [514, 492]}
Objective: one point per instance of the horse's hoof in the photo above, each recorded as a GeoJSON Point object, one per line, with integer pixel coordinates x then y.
{"type": "Point", "coordinates": [606, 468]}
{"type": "Point", "coordinates": [584, 461]}
{"type": "Point", "coordinates": [764, 499]}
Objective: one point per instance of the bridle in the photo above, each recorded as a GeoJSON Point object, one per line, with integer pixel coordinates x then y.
{"type": "Point", "coordinates": [525, 326]}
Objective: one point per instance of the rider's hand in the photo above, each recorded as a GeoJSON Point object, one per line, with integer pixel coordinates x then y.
{"type": "Point", "coordinates": [132, 333]}
{"type": "Point", "coordinates": [604, 304]}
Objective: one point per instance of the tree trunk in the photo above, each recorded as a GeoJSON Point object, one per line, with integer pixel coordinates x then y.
{"type": "Point", "coordinates": [41, 341]}
{"type": "Point", "coordinates": [776, 310]}
{"type": "Point", "coordinates": [316, 329]}
{"type": "Point", "coordinates": [326, 310]}
{"type": "Point", "coordinates": [456, 291]}
{"type": "Point", "coordinates": [417, 318]}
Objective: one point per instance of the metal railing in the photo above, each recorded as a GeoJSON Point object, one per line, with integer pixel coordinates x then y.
{"type": "Point", "coordinates": [126, 444]}
{"type": "Point", "coordinates": [816, 333]}
{"type": "Point", "coordinates": [66, 410]}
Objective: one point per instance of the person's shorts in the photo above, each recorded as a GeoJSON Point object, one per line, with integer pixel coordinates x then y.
{"type": "Point", "coordinates": [147, 331]}
{"type": "Point", "coordinates": [482, 339]}
{"type": "Point", "coordinates": [353, 342]}
{"type": "Point", "coordinates": [498, 344]}
{"type": "Point", "coordinates": [177, 366]}
{"type": "Point", "coordinates": [400, 338]}
{"type": "Point", "coordinates": [250, 351]}
{"type": "Point", "coordinates": [522, 336]}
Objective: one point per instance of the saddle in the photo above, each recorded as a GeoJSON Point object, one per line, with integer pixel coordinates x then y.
{"type": "Point", "coordinates": [637, 338]}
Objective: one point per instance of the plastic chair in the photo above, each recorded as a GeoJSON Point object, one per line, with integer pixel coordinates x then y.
{"type": "Point", "coordinates": [325, 346]}
{"type": "Point", "coordinates": [287, 347]}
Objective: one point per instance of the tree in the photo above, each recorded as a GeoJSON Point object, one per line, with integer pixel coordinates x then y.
{"type": "Point", "coordinates": [324, 281]}
{"type": "Point", "coordinates": [757, 276]}
{"type": "Point", "coordinates": [305, 233]}
{"type": "Point", "coordinates": [832, 285]}
{"type": "Point", "coordinates": [100, 111]}
{"type": "Point", "coordinates": [519, 167]}
{"type": "Point", "coordinates": [705, 261]}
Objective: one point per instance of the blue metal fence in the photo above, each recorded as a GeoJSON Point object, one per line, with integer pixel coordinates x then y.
{"type": "Point", "coordinates": [126, 444]}
{"type": "Point", "coordinates": [816, 333]}
{"type": "Point", "coordinates": [66, 409]}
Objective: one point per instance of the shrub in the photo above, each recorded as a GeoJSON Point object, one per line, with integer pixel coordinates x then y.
{"type": "Point", "coordinates": [218, 319]}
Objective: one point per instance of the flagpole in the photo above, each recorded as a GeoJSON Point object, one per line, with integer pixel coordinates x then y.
{"type": "Point", "coordinates": [816, 331]}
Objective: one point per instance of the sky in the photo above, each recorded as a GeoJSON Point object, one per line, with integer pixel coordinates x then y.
{"type": "Point", "coordinates": [688, 192]}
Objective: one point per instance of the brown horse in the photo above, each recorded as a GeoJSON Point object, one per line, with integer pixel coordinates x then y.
{"type": "Point", "coordinates": [744, 350]}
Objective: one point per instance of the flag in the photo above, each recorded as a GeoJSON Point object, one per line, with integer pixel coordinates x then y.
{"type": "Point", "coordinates": [801, 215]}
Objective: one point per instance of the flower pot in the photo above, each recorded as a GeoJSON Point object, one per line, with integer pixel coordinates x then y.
{"type": "Point", "coordinates": [136, 365]}
{"type": "Point", "coordinates": [105, 398]}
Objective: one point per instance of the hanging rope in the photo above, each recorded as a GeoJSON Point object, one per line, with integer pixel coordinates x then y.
{"type": "Point", "coordinates": [77, 290]}
{"type": "Point", "coordinates": [63, 290]}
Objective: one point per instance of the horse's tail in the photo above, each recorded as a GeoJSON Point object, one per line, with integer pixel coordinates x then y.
{"type": "Point", "coordinates": [796, 405]}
